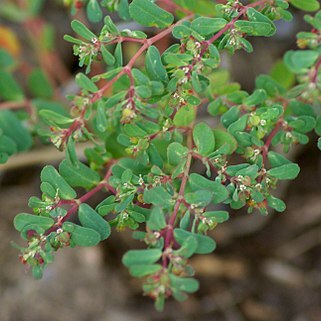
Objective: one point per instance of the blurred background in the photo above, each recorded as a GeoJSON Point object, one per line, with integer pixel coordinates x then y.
{"type": "Point", "coordinates": [264, 268]}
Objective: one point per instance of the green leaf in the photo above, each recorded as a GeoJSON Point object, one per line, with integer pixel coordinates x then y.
{"type": "Point", "coordinates": [13, 128]}
{"type": "Point", "coordinates": [283, 75]}
{"type": "Point", "coordinates": [276, 203]}
{"type": "Point", "coordinates": [255, 28]}
{"type": "Point", "coordinates": [83, 236]}
{"type": "Point", "coordinates": [53, 118]}
{"type": "Point", "coordinates": [72, 40]}
{"type": "Point", "coordinates": [287, 171]}
{"type": "Point", "coordinates": [50, 175]}
{"type": "Point", "coordinates": [256, 98]}
{"type": "Point", "coordinates": [206, 26]}
{"type": "Point", "coordinates": [123, 9]}
{"type": "Point", "coordinates": [306, 5]}
{"type": "Point", "coordinates": [39, 84]}
{"type": "Point", "coordinates": [141, 257]}
{"type": "Point", "coordinates": [188, 247]}
{"type": "Point", "coordinates": [149, 14]}
{"type": "Point", "coordinates": [185, 116]}
{"type": "Point", "coordinates": [156, 221]}
{"type": "Point", "coordinates": [303, 124]}
{"type": "Point", "coordinates": [225, 143]}
{"type": "Point", "coordinates": [205, 243]}
{"type": "Point", "coordinates": [9, 88]}
{"type": "Point", "coordinates": [185, 221]}
{"type": "Point", "coordinates": [188, 285]}
{"type": "Point", "coordinates": [140, 271]}
{"type": "Point", "coordinates": [23, 219]}
{"type": "Point", "coordinates": [157, 196]}
{"type": "Point", "coordinates": [319, 143]}
{"type": "Point", "coordinates": [299, 61]}
{"type": "Point", "coordinates": [154, 66]}
{"type": "Point", "coordinates": [88, 217]}
{"type": "Point", "coordinates": [231, 116]}
{"type": "Point", "coordinates": [85, 83]}
{"type": "Point", "coordinates": [7, 145]}
{"type": "Point", "coordinates": [276, 159]}
{"type": "Point", "coordinates": [199, 198]}
{"type": "Point", "coordinates": [217, 216]}
{"type": "Point", "coordinates": [204, 139]}
{"type": "Point", "coordinates": [94, 11]}
{"type": "Point", "coordinates": [175, 153]}
{"type": "Point", "coordinates": [318, 126]}
{"type": "Point", "coordinates": [79, 175]}
{"type": "Point", "coordinates": [118, 54]}
{"type": "Point", "coordinates": [255, 16]}
{"type": "Point", "coordinates": [109, 59]}
{"type": "Point", "coordinates": [82, 30]}
{"type": "Point", "coordinates": [198, 182]}
{"type": "Point", "coordinates": [181, 31]}
{"type": "Point", "coordinates": [101, 118]}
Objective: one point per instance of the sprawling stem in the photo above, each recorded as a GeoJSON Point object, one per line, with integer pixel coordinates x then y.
{"type": "Point", "coordinates": [83, 199]}
{"type": "Point", "coordinates": [127, 69]}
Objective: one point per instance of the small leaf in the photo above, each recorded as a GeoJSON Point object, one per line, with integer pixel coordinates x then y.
{"type": "Point", "coordinates": [82, 30]}
{"type": "Point", "coordinates": [204, 139]}
{"type": "Point", "coordinates": [141, 257]}
{"type": "Point", "coordinates": [91, 219]}
{"type": "Point", "coordinates": [24, 219]}
{"type": "Point", "coordinates": [188, 285]}
{"type": "Point", "coordinates": [277, 159]}
{"type": "Point", "coordinates": [225, 143]}
{"type": "Point", "coordinates": [157, 196]}
{"type": "Point", "coordinates": [217, 216]}
{"type": "Point", "coordinates": [306, 5]}
{"type": "Point", "coordinates": [85, 83]}
{"type": "Point", "coordinates": [185, 221]}
{"type": "Point", "coordinates": [198, 182]}
{"type": "Point", "coordinates": [185, 116]}
{"type": "Point", "coordinates": [149, 14]}
{"type": "Point", "coordinates": [299, 61]}
{"type": "Point", "coordinates": [94, 11]}
{"type": "Point", "coordinates": [140, 271]}
{"type": "Point", "coordinates": [188, 247]}
{"type": "Point", "coordinates": [287, 171]}
{"type": "Point", "coordinates": [78, 175]}
{"type": "Point", "coordinates": [175, 153]}
{"type": "Point", "coordinates": [205, 243]}
{"type": "Point", "coordinates": [206, 26]}
{"type": "Point", "coordinates": [200, 198]}
{"type": "Point", "coordinates": [50, 175]}
{"type": "Point", "coordinates": [156, 220]}
{"type": "Point", "coordinates": [109, 59]}
{"type": "Point", "coordinates": [83, 236]}
{"type": "Point", "coordinates": [276, 203]}
{"type": "Point", "coordinates": [154, 66]}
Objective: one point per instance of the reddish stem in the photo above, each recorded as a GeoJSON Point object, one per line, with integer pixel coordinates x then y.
{"type": "Point", "coordinates": [82, 199]}
{"type": "Point", "coordinates": [127, 69]}
{"type": "Point", "coordinates": [180, 199]}
{"type": "Point", "coordinates": [314, 77]}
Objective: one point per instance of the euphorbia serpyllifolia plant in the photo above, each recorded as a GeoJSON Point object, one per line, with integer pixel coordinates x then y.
{"type": "Point", "coordinates": [141, 121]}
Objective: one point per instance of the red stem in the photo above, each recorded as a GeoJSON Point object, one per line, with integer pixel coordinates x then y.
{"type": "Point", "coordinates": [180, 199]}
{"type": "Point", "coordinates": [314, 77]}
{"type": "Point", "coordinates": [129, 66]}
{"type": "Point", "coordinates": [82, 199]}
